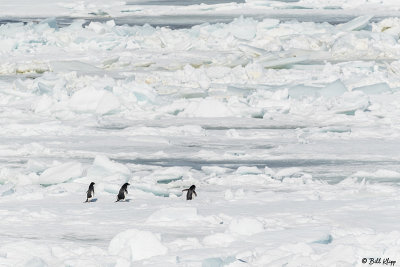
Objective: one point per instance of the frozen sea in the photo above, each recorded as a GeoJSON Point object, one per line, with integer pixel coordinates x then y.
{"type": "Point", "coordinates": [284, 114]}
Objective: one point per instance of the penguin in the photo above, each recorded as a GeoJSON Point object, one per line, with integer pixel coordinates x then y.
{"type": "Point", "coordinates": [122, 192]}
{"type": "Point", "coordinates": [190, 192]}
{"type": "Point", "coordinates": [90, 192]}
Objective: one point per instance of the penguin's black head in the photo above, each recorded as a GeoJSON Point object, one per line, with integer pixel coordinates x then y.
{"type": "Point", "coordinates": [92, 183]}
{"type": "Point", "coordinates": [193, 187]}
{"type": "Point", "coordinates": [126, 184]}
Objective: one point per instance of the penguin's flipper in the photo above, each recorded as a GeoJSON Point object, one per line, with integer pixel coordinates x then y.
{"type": "Point", "coordinates": [195, 193]}
{"type": "Point", "coordinates": [185, 190]}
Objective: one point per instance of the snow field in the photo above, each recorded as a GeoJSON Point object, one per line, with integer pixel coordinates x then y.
{"type": "Point", "coordinates": [288, 130]}
{"type": "Point", "coordinates": [288, 218]}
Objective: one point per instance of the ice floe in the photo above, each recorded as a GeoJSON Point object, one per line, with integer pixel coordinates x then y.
{"type": "Point", "coordinates": [288, 128]}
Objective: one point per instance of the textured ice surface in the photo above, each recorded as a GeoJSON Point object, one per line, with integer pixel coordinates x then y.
{"type": "Point", "coordinates": [61, 173]}
{"type": "Point", "coordinates": [134, 245]}
{"type": "Point", "coordinates": [288, 128]}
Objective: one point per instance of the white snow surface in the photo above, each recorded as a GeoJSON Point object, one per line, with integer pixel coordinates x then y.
{"type": "Point", "coordinates": [133, 245]}
{"type": "Point", "coordinates": [288, 128]}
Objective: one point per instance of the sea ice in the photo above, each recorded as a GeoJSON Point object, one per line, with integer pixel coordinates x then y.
{"type": "Point", "coordinates": [61, 173]}
{"type": "Point", "coordinates": [335, 89]}
{"type": "Point", "coordinates": [184, 214]}
{"type": "Point", "coordinates": [246, 226]}
{"type": "Point", "coordinates": [374, 89]}
{"type": "Point", "coordinates": [355, 24]}
{"type": "Point", "coordinates": [91, 95]}
{"type": "Point", "coordinates": [134, 245]}
{"type": "Point", "coordinates": [103, 166]}
{"type": "Point", "coordinates": [218, 239]}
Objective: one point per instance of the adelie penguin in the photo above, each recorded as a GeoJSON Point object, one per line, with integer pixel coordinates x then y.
{"type": "Point", "coordinates": [122, 192]}
{"type": "Point", "coordinates": [190, 192]}
{"type": "Point", "coordinates": [90, 192]}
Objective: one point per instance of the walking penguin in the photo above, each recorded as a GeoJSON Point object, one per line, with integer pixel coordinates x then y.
{"type": "Point", "coordinates": [122, 192]}
{"type": "Point", "coordinates": [190, 192]}
{"type": "Point", "coordinates": [90, 192]}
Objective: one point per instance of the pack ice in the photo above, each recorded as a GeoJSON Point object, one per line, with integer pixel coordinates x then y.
{"type": "Point", "coordinates": [289, 129]}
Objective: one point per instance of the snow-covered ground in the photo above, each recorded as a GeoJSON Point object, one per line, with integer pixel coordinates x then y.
{"type": "Point", "coordinates": [289, 130]}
